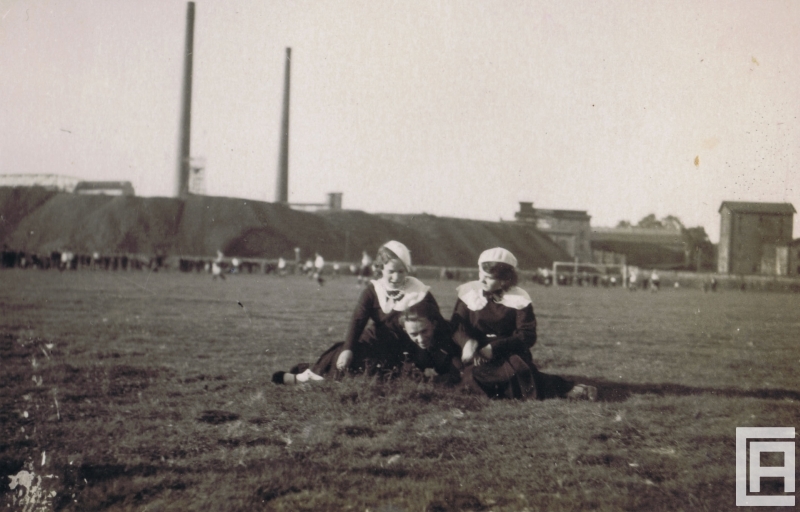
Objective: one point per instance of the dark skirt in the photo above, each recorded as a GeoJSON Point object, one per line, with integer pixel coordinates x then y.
{"type": "Point", "coordinates": [514, 378]}
{"type": "Point", "coordinates": [374, 354]}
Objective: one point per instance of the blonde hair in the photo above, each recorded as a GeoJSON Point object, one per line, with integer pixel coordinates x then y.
{"type": "Point", "coordinates": [384, 256]}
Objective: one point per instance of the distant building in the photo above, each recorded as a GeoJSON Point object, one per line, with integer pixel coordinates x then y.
{"type": "Point", "coordinates": [47, 181]}
{"type": "Point", "coordinates": [755, 238]}
{"type": "Point", "coordinates": [197, 176]}
{"type": "Point", "coordinates": [334, 200]}
{"type": "Point", "coordinates": [67, 184]}
{"type": "Point", "coordinates": [111, 188]}
{"type": "Point", "coordinates": [571, 229]}
{"type": "Point", "coordinates": [794, 258]}
{"type": "Point", "coordinates": [334, 203]}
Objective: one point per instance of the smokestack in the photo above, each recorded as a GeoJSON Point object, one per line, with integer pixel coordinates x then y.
{"type": "Point", "coordinates": [282, 187]}
{"type": "Point", "coordinates": [186, 107]}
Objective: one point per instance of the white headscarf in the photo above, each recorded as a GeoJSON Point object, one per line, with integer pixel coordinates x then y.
{"type": "Point", "coordinates": [401, 251]}
{"type": "Point", "coordinates": [497, 255]}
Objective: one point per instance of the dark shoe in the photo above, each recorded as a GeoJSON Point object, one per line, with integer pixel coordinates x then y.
{"type": "Point", "coordinates": [583, 392]}
{"type": "Point", "coordinates": [524, 377]}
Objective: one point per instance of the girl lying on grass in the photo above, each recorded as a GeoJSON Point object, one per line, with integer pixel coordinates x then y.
{"type": "Point", "coordinates": [494, 323]}
{"type": "Point", "coordinates": [383, 347]}
{"type": "Point", "coordinates": [433, 347]}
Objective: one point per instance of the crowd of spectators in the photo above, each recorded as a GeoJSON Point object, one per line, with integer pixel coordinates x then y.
{"type": "Point", "coordinates": [546, 277]}
{"type": "Point", "coordinates": [313, 268]}
{"type": "Point", "coordinates": [67, 260]}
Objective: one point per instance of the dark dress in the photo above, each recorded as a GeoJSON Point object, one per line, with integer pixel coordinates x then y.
{"type": "Point", "coordinates": [505, 321]}
{"type": "Point", "coordinates": [382, 347]}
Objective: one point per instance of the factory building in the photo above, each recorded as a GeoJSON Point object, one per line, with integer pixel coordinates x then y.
{"type": "Point", "coordinates": [755, 238]}
{"type": "Point", "coordinates": [67, 184]}
{"type": "Point", "coordinates": [571, 229]}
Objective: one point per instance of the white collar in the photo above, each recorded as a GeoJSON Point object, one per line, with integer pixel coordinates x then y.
{"type": "Point", "coordinates": [413, 292]}
{"type": "Point", "coordinates": [471, 294]}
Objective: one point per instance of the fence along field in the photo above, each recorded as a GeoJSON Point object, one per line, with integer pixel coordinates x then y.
{"type": "Point", "coordinates": [133, 391]}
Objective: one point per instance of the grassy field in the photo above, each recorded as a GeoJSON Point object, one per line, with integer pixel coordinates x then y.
{"type": "Point", "coordinates": [128, 391]}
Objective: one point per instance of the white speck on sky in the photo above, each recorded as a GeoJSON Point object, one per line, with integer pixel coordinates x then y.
{"type": "Point", "coordinates": [450, 107]}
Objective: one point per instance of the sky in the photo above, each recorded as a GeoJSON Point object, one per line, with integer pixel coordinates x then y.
{"type": "Point", "coordinates": [456, 108]}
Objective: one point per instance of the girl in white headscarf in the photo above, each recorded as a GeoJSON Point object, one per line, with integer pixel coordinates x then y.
{"type": "Point", "coordinates": [495, 325]}
{"type": "Point", "coordinates": [381, 347]}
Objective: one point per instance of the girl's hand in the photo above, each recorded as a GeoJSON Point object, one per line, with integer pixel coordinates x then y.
{"type": "Point", "coordinates": [345, 358]}
{"type": "Point", "coordinates": [468, 352]}
{"type": "Point", "coordinates": [486, 352]}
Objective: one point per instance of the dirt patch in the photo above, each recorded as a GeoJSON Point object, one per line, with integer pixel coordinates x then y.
{"type": "Point", "coordinates": [603, 459]}
{"type": "Point", "coordinates": [267, 493]}
{"type": "Point", "coordinates": [217, 417]}
{"type": "Point", "coordinates": [103, 472]}
{"type": "Point", "coordinates": [386, 472]}
{"type": "Point", "coordinates": [354, 431]}
{"type": "Point", "coordinates": [454, 502]}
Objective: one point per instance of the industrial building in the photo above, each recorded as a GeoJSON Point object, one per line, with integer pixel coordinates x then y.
{"type": "Point", "coordinates": [67, 184]}
{"type": "Point", "coordinates": [571, 229]}
{"type": "Point", "coordinates": [794, 258]}
{"type": "Point", "coordinates": [755, 238]}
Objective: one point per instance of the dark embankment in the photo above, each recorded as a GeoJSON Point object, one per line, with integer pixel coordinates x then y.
{"type": "Point", "coordinates": [643, 254]}
{"type": "Point", "coordinates": [39, 221]}
{"type": "Point", "coordinates": [461, 241]}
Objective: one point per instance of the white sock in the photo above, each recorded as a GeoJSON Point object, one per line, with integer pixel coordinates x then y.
{"type": "Point", "coordinates": [308, 375]}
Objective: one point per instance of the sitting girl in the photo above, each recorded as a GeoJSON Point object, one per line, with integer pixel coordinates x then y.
{"type": "Point", "coordinates": [380, 347]}
{"type": "Point", "coordinates": [494, 323]}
